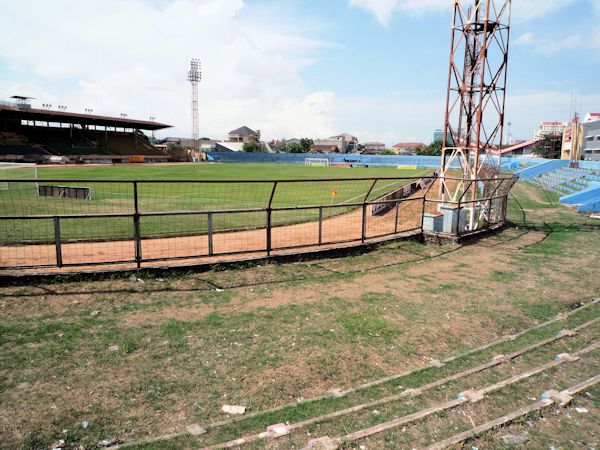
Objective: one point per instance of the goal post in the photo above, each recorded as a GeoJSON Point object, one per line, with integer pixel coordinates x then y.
{"type": "Point", "coordinates": [317, 162]}
{"type": "Point", "coordinates": [12, 173]}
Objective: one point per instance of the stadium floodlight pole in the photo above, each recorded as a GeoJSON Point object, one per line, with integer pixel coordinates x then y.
{"type": "Point", "coordinates": [194, 77]}
{"type": "Point", "coordinates": [476, 97]}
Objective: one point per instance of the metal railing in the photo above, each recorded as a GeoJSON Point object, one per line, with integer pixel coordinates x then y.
{"type": "Point", "coordinates": [126, 223]}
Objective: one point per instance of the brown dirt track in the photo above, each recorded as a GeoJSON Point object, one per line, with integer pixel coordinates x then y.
{"type": "Point", "coordinates": [252, 243]}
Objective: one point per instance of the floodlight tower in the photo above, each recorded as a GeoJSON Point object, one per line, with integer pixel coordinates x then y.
{"type": "Point", "coordinates": [194, 77]}
{"type": "Point", "coordinates": [474, 120]}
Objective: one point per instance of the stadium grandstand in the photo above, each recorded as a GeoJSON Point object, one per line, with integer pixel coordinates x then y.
{"type": "Point", "coordinates": [48, 136]}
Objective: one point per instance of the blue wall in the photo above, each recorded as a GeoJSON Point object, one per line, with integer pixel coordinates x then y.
{"type": "Point", "coordinates": [594, 165]}
{"type": "Point", "coordinates": [371, 160]}
{"type": "Point", "coordinates": [298, 158]}
{"type": "Point", "coordinates": [547, 166]}
{"type": "Point", "coordinates": [587, 200]}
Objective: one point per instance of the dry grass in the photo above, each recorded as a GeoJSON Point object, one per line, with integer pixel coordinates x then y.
{"type": "Point", "coordinates": [267, 335]}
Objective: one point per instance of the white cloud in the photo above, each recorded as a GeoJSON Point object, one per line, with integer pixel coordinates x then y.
{"type": "Point", "coordinates": [522, 10]}
{"type": "Point", "coordinates": [392, 119]}
{"type": "Point", "coordinates": [384, 9]}
{"type": "Point", "coordinates": [381, 9]}
{"type": "Point", "coordinates": [525, 39]}
{"type": "Point", "coordinates": [310, 116]}
{"type": "Point", "coordinates": [132, 56]}
{"type": "Point", "coordinates": [550, 47]}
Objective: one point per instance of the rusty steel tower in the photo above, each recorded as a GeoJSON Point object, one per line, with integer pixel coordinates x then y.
{"type": "Point", "coordinates": [474, 119]}
{"type": "Point", "coordinates": [194, 77]}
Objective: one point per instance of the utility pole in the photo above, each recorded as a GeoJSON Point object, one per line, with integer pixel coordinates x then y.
{"type": "Point", "coordinates": [194, 77]}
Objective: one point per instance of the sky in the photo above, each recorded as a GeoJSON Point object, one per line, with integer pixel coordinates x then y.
{"type": "Point", "coordinates": [290, 68]}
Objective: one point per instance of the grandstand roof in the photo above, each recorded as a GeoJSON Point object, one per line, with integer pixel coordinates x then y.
{"type": "Point", "coordinates": [515, 147]}
{"type": "Point", "coordinates": [45, 115]}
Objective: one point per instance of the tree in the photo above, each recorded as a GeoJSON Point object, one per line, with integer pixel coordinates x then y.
{"type": "Point", "coordinates": [433, 149]}
{"type": "Point", "coordinates": [549, 147]}
{"type": "Point", "coordinates": [306, 144]}
{"type": "Point", "coordinates": [293, 147]}
{"type": "Point", "coordinates": [387, 152]}
{"type": "Point", "coordinates": [252, 147]}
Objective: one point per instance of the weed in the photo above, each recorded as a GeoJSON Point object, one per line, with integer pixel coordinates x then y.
{"type": "Point", "coordinates": [369, 323]}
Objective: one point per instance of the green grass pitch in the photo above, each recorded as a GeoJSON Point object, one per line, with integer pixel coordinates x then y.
{"type": "Point", "coordinates": [21, 198]}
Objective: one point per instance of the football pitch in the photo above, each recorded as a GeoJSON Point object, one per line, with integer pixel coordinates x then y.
{"type": "Point", "coordinates": [165, 188]}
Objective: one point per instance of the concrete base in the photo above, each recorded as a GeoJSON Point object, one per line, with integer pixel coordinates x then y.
{"type": "Point", "coordinates": [324, 443]}
{"type": "Point", "coordinates": [472, 396]}
{"type": "Point", "coordinates": [433, 222]}
{"type": "Point", "coordinates": [455, 220]}
{"type": "Point", "coordinates": [562, 398]}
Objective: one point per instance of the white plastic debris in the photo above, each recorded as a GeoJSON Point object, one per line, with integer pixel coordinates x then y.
{"type": "Point", "coordinates": [234, 410]}
{"type": "Point", "coordinates": [195, 430]}
{"type": "Point", "coordinates": [514, 439]}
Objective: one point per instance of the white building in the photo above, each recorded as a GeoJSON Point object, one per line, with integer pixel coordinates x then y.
{"type": "Point", "coordinates": [549, 129]}
{"type": "Point", "coordinates": [591, 117]}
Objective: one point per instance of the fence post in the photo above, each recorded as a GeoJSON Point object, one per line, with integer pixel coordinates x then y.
{"type": "Point", "coordinates": [397, 212]}
{"type": "Point", "coordinates": [364, 211]}
{"type": "Point", "coordinates": [320, 225]}
{"type": "Point", "coordinates": [458, 218]}
{"type": "Point", "coordinates": [269, 219]}
{"type": "Point", "coordinates": [364, 223]}
{"type": "Point", "coordinates": [210, 234]}
{"type": "Point", "coordinates": [136, 226]}
{"type": "Point", "coordinates": [57, 242]}
{"type": "Point", "coordinates": [424, 208]}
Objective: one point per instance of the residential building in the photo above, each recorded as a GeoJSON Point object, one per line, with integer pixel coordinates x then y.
{"type": "Point", "coordinates": [244, 134]}
{"type": "Point", "coordinates": [348, 143]}
{"type": "Point", "coordinates": [321, 146]}
{"type": "Point", "coordinates": [327, 146]}
{"type": "Point", "coordinates": [373, 147]}
{"type": "Point", "coordinates": [407, 148]}
{"type": "Point", "coordinates": [549, 129]}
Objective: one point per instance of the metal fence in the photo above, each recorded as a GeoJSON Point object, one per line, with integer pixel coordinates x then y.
{"type": "Point", "coordinates": [144, 223]}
